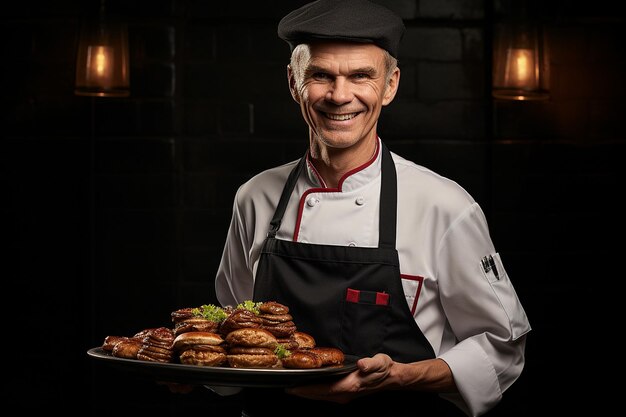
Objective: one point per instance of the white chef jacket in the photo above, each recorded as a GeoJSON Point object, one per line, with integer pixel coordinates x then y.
{"type": "Point", "coordinates": [472, 319]}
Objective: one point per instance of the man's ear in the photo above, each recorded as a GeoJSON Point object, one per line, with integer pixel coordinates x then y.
{"type": "Point", "coordinates": [292, 84]}
{"type": "Point", "coordinates": [392, 87]}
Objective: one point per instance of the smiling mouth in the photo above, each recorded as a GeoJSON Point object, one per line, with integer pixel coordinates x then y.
{"type": "Point", "coordinates": [341, 117]}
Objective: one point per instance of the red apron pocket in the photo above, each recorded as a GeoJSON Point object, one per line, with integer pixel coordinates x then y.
{"type": "Point", "coordinates": [382, 299]}
{"type": "Point", "coordinates": [367, 297]}
{"type": "Point", "coordinates": [352, 296]}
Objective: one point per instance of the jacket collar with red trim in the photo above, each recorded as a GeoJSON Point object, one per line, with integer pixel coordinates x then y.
{"type": "Point", "coordinates": [353, 179]}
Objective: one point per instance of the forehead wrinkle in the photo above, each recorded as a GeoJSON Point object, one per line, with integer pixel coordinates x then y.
{"type": "Point", "coordinates": [347, 58]}
{"type": "Point", "coordinates": [339, 67]}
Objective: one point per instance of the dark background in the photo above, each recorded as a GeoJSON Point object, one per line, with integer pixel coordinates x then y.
{"type": "Point", "coordinates": [114, 210]}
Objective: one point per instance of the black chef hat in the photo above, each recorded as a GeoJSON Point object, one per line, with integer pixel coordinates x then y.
{"type": "Point", "coordinates": [350, 20]}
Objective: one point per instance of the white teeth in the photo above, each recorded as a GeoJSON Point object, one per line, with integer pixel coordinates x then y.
{"type": "Point", "coordinates": [341, 116]}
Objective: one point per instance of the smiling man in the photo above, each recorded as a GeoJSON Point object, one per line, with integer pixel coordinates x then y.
{"type": "Point", "coordinates": [374, 254]}
{"type": "Point", "coordinates": [341, 88]}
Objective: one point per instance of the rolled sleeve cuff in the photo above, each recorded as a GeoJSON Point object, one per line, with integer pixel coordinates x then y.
{"type": "Point", "coordinates": [475, 378]}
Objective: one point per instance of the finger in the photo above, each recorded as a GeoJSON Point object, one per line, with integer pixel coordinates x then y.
{"type": "Point", "coordinates": [339, 391]}
{"type": "Point", "coordinates": [369, 365]}
{"type": "Point", "coordinates": [308, 390]}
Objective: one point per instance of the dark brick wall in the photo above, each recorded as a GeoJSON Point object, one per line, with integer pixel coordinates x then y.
{"type": "Point", "coordinates": [115, 210]}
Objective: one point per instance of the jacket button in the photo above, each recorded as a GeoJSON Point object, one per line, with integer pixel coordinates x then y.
{"type": "Point", "coordinates": [312, 201]}
{"type": "Point", "coordinates": [360, 201]}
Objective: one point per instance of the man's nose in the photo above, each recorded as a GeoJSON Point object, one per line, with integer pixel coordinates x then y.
{"type": "Point", "coordinates": [339, 92]}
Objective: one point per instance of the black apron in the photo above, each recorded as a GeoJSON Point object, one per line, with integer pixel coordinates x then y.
{"type": "Point", "coordinates": [347, 297]}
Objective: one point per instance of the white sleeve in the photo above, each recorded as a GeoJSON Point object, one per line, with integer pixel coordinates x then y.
{"type": "Point", "coordinates": [484, 313]}
{"type": "Point", "coordinates": [234, 281]}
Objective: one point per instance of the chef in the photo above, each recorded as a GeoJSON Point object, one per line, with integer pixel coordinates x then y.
{"type": "Point", "coordinates": [373, 253]}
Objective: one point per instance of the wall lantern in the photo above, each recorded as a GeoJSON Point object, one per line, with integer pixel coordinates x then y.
{"type": "Point", "coordinates": [520, 57]}
{"type": "Point", "coordinates": [102, 68]}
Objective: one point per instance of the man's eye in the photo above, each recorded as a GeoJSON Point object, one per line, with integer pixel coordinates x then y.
{"type": "Point", "coordinates": [321, 76]}
{"type": "Point", "coordinates": [360, 76]}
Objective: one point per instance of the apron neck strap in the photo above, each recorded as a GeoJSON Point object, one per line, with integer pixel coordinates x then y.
{"type": "Point", "coordinates": [388, 200]}
{"type": "Point", "coordinates": [284, 198]}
